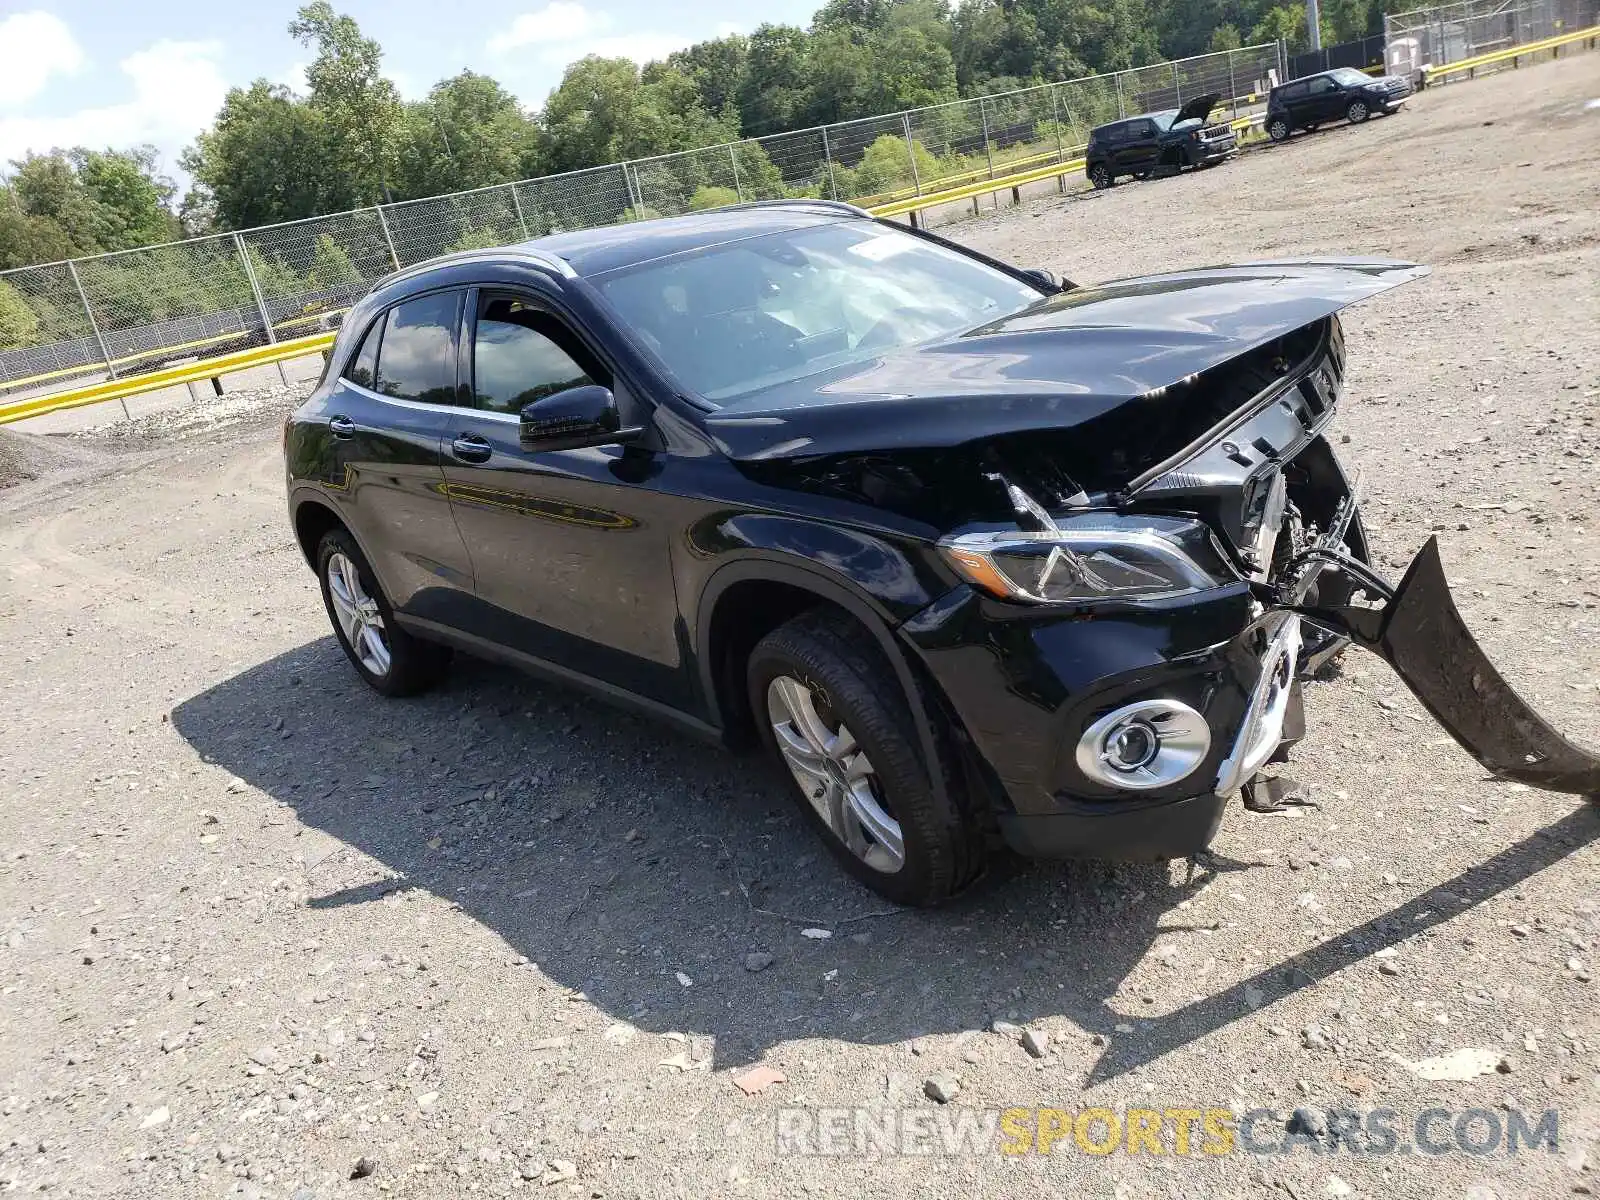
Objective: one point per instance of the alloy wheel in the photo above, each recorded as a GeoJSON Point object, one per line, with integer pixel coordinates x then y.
{"type": "Point", "coordinates": [1278, 131]}
{"type": "Point", "coordinates": [1358, 113]}
{"type": "Point", "coordinates": [360, 620]}
{"type": "Point", "coordinates": [835, 775]}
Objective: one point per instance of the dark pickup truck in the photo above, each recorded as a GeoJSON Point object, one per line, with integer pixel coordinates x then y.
{"type": "Point", "coordinates": [1171, 140]}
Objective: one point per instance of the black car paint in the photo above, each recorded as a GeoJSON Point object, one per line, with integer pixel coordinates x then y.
{"type": "Point", "coordinates": [629, 569]}
{"type": "Point", "coordinates": [1382, 94]}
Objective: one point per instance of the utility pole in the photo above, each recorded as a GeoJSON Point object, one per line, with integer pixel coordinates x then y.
{"type": "Point", "coordinates": [1314, 25]}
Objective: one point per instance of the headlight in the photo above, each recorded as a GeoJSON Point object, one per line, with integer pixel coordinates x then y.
{"type": "Point", "coordinates": [1094, 557]}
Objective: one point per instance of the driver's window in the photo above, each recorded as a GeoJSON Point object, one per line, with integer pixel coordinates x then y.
{"type": "Point", "coordinates": [521, 354]}
{"type": "Point", "coordinates": [1321, 86]}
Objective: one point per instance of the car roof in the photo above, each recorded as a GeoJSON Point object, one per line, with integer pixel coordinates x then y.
{"type": "Point", "coordinates": [610, 247]}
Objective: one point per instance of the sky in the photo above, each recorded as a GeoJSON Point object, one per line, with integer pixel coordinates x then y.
{"type": "Point", "coordinates": [114, 73]}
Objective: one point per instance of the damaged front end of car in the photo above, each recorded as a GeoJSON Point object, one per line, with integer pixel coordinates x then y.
{"type": "Point", "coordinates": [1148, 574]}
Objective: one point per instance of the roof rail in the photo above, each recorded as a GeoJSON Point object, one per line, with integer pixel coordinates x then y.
{"type": "Point", "coordinates": [803, 203]}
{"type": "Point", "coordinates": [538, 258]}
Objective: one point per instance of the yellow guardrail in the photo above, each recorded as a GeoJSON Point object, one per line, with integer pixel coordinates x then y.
{"type": "Point", "coordinates": [1510, 53]}
{"type": "Point", "coordinates": [154, 381]}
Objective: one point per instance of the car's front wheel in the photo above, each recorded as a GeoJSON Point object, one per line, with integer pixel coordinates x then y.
{"type": "Point", "coordinates": [1101, 177]}
{"type": "Point", "coordinates": [391, 660]}
{"type": "Point", "coordinates": [1357, 112]}
{"type": "Point", "coordinates": [832, 711]}
{"type": "Point", "coordinates": [1278, 129]}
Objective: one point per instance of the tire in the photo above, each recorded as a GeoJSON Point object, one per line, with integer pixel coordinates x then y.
{"type": "Point", "coordinates": [1102, 177]}
{"type": "Point", "coordinates": [406, 664]}
{"type": "Point", "coordinates": [1358, 112]}
{"type": "Point", "coordinates": [1278, 129]}
{"type": "Point", "coordinates": [822, 666]}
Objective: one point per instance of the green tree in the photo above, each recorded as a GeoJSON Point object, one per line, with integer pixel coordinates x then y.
{"type": "Point", "coordinates": [710, 196]}
{"type": "Point", "coordinates": [133, 198]}
{"type": "Point", "coordinates": [331, 266]}
{"type": "Point", "coordinates": [776, 84]}
{"type": "Point", "coordinates": [588, 110]}
{"type": "Point", "coordinates": [268, 157]}
{"type": "Point", "coordinates": [26, 239]}
{"type": "Point", "coordinates": [469, 133]}
{"type": "Point", "coordinates": [886, 166]}
{"type": "Point", "coordinates": [717, 68]}
{"type": "Point", "coordinates": [359, 106]}
{"type": "Point", "coordinates": [18, 324]}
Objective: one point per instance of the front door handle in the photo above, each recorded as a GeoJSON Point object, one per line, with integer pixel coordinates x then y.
{"type": "Point", "coordinates": [341, 427]}
{"type": "Point", "coordinates": [471, 448]}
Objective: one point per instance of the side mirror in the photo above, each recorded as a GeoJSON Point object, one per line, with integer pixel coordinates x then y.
{"type": "Point", "coordinates": [1048, 280]}
{"type": "Point", "coordinates": [576, 417]}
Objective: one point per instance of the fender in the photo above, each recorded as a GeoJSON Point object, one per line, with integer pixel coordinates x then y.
{"type": "Point", "coordinates": [769, 567]}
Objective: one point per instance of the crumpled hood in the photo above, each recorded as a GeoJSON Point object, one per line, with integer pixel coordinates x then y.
{"type": "Point", "coordinates": [1066, 360]}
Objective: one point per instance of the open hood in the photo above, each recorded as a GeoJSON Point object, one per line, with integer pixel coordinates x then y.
{"type": "Point", "coordinates": [1068, 360]}
{"type": "Point", "coordinates": [1198, 109]}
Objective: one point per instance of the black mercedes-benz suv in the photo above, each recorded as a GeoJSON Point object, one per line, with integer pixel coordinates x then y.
{"type": "Point", "coordinates": [974, 553]}
{"type": "Point", "coordinates": [1344, 94]}
{"type": "Point", "coordinates": [1165, 141]}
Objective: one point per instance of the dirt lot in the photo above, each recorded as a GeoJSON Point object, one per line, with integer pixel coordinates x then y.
{"type": "Point", "coordinates": [259, 924]}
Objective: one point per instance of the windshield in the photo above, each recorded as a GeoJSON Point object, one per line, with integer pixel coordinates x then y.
{"type": "Point", "coordinates": [1349, 75]}
{"type": "Point", "coordinates": [771, 309]}
{"type": "Point", "coordinates": [1164, 119]}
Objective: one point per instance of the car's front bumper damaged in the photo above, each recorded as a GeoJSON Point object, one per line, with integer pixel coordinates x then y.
{"type": "Point", "coordinates": [1419, 632]}
{"type": "Point", "coordinates": [1038, 698]}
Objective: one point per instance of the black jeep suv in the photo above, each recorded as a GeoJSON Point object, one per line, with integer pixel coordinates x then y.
{"type": "Point", "coordinates": [1161, 141]}
{"type": "Point", "coordinates": [1343, 94]}
{"type": "Point", "coordinates": [970, 551]}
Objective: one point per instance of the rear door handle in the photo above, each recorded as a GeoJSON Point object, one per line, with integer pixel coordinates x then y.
{"type": "Point", "coordinates": [470, 448]}
{"type": "Point", "coordinates": [341, 427]}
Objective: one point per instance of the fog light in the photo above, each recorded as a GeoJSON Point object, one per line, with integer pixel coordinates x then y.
{"type": "Point", "coordinates": [1146, 745]}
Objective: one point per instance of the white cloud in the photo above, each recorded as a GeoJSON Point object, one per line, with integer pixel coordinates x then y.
{"type": "Point", "coordinates": [176, 89]}
{"type": "Point", "coordinates": [537, 45]}
{"type": "Point", "coordinates": [33, 47]}
{"type": "Point", "coordinates": [560, 22]}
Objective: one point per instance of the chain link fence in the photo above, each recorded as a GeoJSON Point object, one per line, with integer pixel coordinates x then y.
{"type": "Point", "coordinates": [138, 309]}
{"type": "Point", "coordinates": [1448, 33]}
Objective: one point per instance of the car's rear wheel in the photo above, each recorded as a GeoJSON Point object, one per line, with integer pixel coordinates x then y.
{"type": "Point", "coordinates": [1357, 112]}
{"type": "Point", "coordinates": [1278, 129]}
{"type": "Point", "coordinates": [1102, 178]}
{"type": "Point", "coordinates": [832, 711]}
{"type": "Point", "coordinates": [391, 660]}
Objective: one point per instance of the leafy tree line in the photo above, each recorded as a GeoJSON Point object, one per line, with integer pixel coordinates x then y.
{"type": "Point", "coordinates": [272, 155]}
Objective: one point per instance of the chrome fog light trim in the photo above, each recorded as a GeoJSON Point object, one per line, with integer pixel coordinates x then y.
{"type": "Point", "coordinates": [1146, 745]}
{"type": "Point", "coordinates": [1262, 728]}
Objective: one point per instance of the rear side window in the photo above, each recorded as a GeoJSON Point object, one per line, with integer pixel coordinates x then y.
{"type": "Point", "coordinates": [1294, 91]}
{"type": "Point", "coordinates": [521, 354]}
{"type": "Point", "coordinates": [363, 368]}
{"type": "Point", "coordinates": [417, 358]}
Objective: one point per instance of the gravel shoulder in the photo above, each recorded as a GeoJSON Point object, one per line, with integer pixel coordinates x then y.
{"type": "Point", "coordinates": [258, 925]}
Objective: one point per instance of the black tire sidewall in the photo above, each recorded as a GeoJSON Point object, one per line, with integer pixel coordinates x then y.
{"type": "Point", "coordinates": [413, 664]}
{"type": "Point", "coordinates": [1271, 125]}
{"type": "Point", "coordinates": [872, 705]}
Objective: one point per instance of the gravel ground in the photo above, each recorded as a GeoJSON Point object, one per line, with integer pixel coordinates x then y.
{"type": "Point", "coordinates": [263, 931]}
